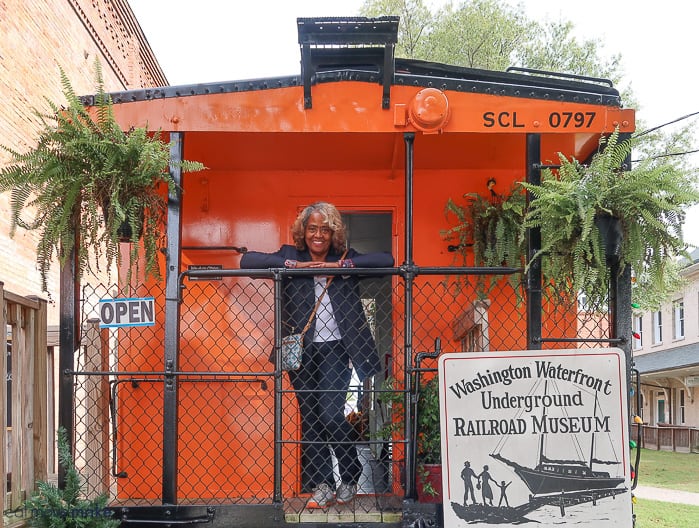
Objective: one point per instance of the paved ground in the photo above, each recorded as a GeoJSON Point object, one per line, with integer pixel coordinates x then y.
{"type": "Point", "coordinates": [667, 495]}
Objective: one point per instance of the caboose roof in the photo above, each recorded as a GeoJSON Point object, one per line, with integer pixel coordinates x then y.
{"type": "Point", "coordinates": [361, 49]}
{"type": "Point", "coordinates": [524, 83]}
{"type": "Point", "coordinates": [352, 96]}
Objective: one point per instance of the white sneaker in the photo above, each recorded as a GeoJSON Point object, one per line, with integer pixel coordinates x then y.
{"type": "Point", "coordinates": [346, 493]}
{"type": "Point", "coordinates": [322, 497]}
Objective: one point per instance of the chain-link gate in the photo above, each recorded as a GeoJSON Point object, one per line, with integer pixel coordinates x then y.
{"type": "Point", "coordinates": [229, 439]}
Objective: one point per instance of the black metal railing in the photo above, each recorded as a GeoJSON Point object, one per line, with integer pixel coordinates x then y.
{"type": "Point", "coordinates": [239, 438]}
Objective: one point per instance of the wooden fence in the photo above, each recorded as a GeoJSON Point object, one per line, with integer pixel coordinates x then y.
{"type": "Point", "coordinates": [24, 374]}
{"type": "Point", "coordinates": [668, 437]}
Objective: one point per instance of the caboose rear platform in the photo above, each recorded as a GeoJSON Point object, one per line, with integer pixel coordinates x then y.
{"type": "Point", "coordinates": [186, 421]}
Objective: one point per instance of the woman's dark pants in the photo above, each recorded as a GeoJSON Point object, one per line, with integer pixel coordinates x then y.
{"type": "Point", "coordinates": [321, 384]}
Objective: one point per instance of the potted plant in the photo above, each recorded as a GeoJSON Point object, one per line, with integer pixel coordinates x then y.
{"type": "Point", "coordinates": [490, 228]}
{"type": "Point", "coordinates": [642, 209]}
{"type": "Point", "coordinates": [429, 443]}
{"type": "Point", "coordinates": [428, 454]}
{"type": "Point", "coordinates": [85, 179]}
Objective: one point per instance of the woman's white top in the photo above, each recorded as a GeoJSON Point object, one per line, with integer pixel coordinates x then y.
{"type": "Point", "coordinates": [326, 328]}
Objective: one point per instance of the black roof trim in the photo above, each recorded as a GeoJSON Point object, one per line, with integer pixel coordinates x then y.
{"type": "Point", "coordinates": [408, 72]}
{"type": "Point", "coordinates": [536, 77]}
{"type": "Point", "coordinates": [185, 90]}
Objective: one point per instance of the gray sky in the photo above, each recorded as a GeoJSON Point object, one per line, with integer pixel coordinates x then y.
{"type": "Point", "coordinates": [222, 40]}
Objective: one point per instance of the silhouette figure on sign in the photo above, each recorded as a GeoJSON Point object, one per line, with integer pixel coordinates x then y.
{"type": "Point", "coordinates": [484, 481]}
{"type": "Point", "coordinates": [503, 493]}
{"type": "Point", "coordinates": [466, 475]}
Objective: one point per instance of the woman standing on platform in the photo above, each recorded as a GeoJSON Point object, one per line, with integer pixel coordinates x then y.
{"type": "Point", "coordinates": [338, 339]}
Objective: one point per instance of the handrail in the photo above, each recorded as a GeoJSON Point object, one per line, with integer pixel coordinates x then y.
{"type": "Point", "coordinates": [24, 323]}
{"type": "Point", "coordinates": [673, 436]}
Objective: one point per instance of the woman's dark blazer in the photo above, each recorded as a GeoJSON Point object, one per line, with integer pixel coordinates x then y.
{"type": "Point", "coordinates": [299, 300]}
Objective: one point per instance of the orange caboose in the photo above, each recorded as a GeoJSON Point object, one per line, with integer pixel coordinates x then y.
{"type": "Point", "coordinates": [198, 417]}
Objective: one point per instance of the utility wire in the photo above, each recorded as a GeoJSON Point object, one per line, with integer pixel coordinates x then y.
{"type": "Point", "coordinates": [661, 126]}
{"type": "Point", "coordinates": [666, 155]}
{"type": "Point", "coordinates": [665, 124]}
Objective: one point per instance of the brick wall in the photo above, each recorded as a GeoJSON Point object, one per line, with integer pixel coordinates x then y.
{"type": "Point", "coordinates": [36, 37]}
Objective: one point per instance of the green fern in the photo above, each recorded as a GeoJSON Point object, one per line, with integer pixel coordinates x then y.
{"type": "Point", "coordinates": [51, 507]}
{"type": "Point", "coordinates": [86, 177]}
{"type": "Point", "coordinates": [649, 200]}
{"type": "Point", "coordinates": [491, 230]}
{"type": "Point", "coordinates": [429, 444]}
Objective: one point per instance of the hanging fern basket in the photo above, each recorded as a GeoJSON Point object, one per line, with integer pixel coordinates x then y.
{"type": "Point", "coordinates": [86, 175]}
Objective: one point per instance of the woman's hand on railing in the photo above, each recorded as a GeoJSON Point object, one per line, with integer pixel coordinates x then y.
{"type": "Point", "coordinates": [312, 264]}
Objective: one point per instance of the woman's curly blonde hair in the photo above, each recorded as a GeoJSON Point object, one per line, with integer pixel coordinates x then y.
{"type": "Point", "coordinates": [330, 215]}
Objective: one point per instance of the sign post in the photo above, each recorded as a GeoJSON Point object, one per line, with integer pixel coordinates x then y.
{"type": "Point", "coordinates": [535, 436]}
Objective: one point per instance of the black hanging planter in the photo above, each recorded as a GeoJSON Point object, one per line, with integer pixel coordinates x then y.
{"type": "Point", "coordinates": [612, 236]}
{"type": "Point", "coordinates": [124, 232]}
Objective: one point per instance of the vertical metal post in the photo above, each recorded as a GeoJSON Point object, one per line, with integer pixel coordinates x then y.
{"type": "Point", "coordinates": [409, 139]}
{"type": "Point", "coordinates": [533, 278]}
{"type": "Point", "coordinates": [620, 310]}
{"type": "Point", "coordinates": [408, 403]}
{"type": "Point", "coordinates": [306, 74]}
{"type": "Point", "coordinates": [172, 325]}
{"type": "Point", "coordinates": [277, 492]}
{"type": "Point", "coordinates": [69, 321]}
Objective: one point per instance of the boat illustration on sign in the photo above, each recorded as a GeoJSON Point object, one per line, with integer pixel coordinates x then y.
{"type": "Point", "coordinates": [556, 476]}
{"type": "Point", "coordinates": [551, 475]}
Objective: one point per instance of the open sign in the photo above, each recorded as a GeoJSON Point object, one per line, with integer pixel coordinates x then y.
{"type": "Point", "coordinates": [126, 312]}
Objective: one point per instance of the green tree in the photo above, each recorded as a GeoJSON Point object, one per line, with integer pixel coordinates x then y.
{"type": "Point", "coordinates": [416, 22]}
{"type": "Point", "coordinates": [478, 34]}
{"type": "Point", "coordinates": [555, 48]}
{"type": "Point", "coordinates": [492, 35]}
